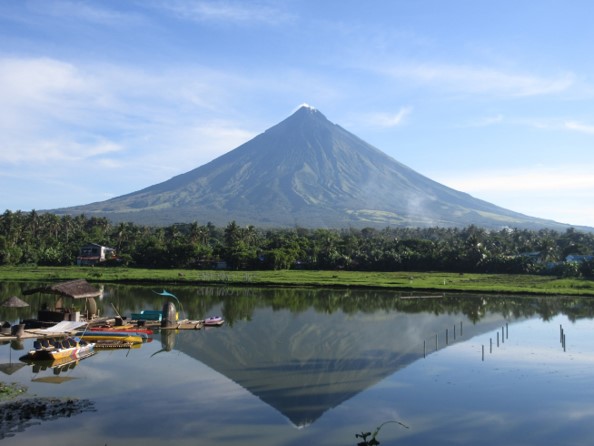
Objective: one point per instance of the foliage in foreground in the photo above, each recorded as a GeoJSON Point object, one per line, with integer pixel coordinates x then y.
{"type": "Point", "coordinates": [10, 391]}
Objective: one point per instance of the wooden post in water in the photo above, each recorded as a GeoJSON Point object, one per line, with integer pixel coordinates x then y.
{"type": "Point", "coordinates": [447, 337]}
{"type": "Point", "coordinates": [483, 352]}
{"type": "Point", "coordinates": [506, 331]}
{"type": "Point", "coordinates": [461, 333]}
{"type": "Point", "coordinates": [561, 333]}
{"type": "Point", "coordinates": [454, 332]}
{"type": "Point", "coordinates": [424, 348]}
{"type": "Point", "coordinates": [502, 335]}
{"type": "Point", "coordinates": [436, 343]}
{"type": "Point", "coordinates": [497, 339]}
{"type": "Point", "coordinates": [490, 345]}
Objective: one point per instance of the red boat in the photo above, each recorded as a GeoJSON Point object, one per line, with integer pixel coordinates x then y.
{"type": "Point", "coordinates": [125, 328]}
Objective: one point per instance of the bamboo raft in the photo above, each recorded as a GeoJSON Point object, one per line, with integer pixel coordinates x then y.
{"type": "Point", "coordinates": [113, 344]}
{"type": "Point", "coordinates": [185, 325]}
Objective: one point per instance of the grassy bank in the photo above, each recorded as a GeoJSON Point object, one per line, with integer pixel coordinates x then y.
{"type": "Point", "coordinates": [440, 282]}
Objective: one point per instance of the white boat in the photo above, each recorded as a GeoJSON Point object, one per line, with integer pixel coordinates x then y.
{"type": "Point", "coordinates": [213, 321]}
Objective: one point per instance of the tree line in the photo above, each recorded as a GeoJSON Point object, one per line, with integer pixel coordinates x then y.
{"type": "Point", "coordinates": [32, 238]}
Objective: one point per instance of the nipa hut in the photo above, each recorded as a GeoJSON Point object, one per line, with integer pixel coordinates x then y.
{"type": "Point", "coordinates": [73, 289]}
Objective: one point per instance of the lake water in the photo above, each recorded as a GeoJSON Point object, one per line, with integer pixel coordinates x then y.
{"type": "Point", "coordinates": [294, 367]}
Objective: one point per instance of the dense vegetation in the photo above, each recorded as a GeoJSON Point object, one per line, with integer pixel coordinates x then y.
{"type": "Point", "coordinates": [31, 238]}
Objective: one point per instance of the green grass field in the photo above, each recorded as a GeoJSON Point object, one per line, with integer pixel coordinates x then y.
{"type": "Point", "coordinates": [440, 282]}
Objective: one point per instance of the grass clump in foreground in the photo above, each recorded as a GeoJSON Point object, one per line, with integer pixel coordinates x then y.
{"type": "Point", "coordinates": [10, 391]}
{"type": "Point", "coordinates": [414, 281]}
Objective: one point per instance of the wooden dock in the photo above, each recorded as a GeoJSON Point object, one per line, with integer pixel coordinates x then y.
{"type": "Point", "coordinates": [39, 333]}
{"type": "Point", "coordinates": [31, 334]}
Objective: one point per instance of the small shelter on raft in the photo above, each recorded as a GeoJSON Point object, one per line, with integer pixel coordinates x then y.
{"type": "Point", "coordinates": [73, 289]}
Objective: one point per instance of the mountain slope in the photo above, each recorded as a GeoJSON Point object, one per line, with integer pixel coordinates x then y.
{"type": "Point", "coordinates": [309, 172]}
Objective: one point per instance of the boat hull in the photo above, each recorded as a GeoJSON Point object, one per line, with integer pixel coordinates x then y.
{"type": "Point", "coordinates": [215, 321]}
{"type": "Point", "coordinates": [123, 328]}
{"type": "Point", "coordinates": [59, 364]}
{"type": "Point", "coordinates": [62, 350]}
{"type": "Point", "coordinates": [86, 334]}
{"type": "Point", "coordinates": [106, 337]}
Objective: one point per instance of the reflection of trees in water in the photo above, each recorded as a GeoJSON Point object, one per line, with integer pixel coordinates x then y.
{"type": "Point", "coordinates": [16, 416]}
{"type": "Point", "coordinates": [239, 303]}
{"type": "Point", "coordinates": [475, 307]}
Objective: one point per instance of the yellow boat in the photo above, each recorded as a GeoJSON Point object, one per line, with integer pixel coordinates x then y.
{"type": "Point", "coordinates": [106, 337]}
{"type": "Point", "coordinates": [59, 365]}
{"type": "Point", "coordinates": [59, 349]}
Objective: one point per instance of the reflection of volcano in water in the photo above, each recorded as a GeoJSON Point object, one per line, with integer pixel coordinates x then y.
{"type": "Point", "coordinates": [303, 364]}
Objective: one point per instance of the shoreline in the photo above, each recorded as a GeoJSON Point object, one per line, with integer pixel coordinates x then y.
{"type": "Point", "coordinates": [406, 281]}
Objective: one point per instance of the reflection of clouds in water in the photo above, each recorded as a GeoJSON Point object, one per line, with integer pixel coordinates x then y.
{"type": "Point", "coordinates": [167, 369]}
{"type": "Point", "coordinates": [450, 397]}
{"type": "Point", "coordinates": [520, 355]}
{"type": "Point", "coordinates": [193, 387]}
{"type": "Point", "coordinates": [528, 391]}
{"type": "Point", "coordinates": [533, 344]}
{"type": "Point", "coordinates": [579, 412]}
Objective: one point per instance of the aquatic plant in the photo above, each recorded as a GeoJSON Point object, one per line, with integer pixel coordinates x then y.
{"type": "Point", "coordinates": [9, 391]}
{"type": "Point", "coordinates": [373, 441]}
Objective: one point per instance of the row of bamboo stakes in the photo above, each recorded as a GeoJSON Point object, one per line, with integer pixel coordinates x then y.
{"type": "Point", "coordinates": [504, 335]}
{"type": "Point", "coordinates": [447, 338]}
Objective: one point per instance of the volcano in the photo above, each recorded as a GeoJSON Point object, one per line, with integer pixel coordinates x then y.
{"type": "Point", "coordinates": [309, 172]}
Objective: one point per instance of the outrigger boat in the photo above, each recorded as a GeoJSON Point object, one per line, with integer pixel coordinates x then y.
{"type": "Point", "coordinates": [122, 328]}
{"type": "Point", "coordinates": [111, 333]}
{"type": "Point", "coordinates": [72, 348]}
{"type": "Point", "coordinates": [58, 365]}
{"type": "Point", "coordinates": [92, 337]}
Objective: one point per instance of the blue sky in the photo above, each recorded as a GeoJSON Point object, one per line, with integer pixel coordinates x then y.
{"type": "Point", "coordinates": [102, 98]}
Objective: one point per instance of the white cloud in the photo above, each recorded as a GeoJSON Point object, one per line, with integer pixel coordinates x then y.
{"type": "Point", "coordinates": [226, 11]}
{"type": "Point", "coordinates": [198, 143]}
{"type": "Point", "coordinates": [94, 13]}
{"type": "Point", "coordinates": [579, 127]}
{"type": "Point", "coordinates": [483, 80]}
{"type": "Point", "coordinates": [389, 119]}
{"type": "Point", "coordinates": [487, 121]}
{"type": "Point", "coordinates": [51, 109]}
{"type": "Point", "coordinates": [34, 81]}
{"type": "Point", "coordinates": [563, 193]}
{"type": "Point", "coordinates": [551, 179]}
{"type": "Point", "coordinates": [35, 150]}
{"type": "Point", "coordinates": [304, 104]}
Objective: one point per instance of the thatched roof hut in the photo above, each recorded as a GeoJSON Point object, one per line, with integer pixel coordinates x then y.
{"type": "Point", "coordinates": [14, 302]}
{"type": "Point", "coordinates": [76, 289]}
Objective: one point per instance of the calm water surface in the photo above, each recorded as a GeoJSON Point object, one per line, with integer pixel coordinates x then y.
{"type": "Point", "coordinates": [294, 367]}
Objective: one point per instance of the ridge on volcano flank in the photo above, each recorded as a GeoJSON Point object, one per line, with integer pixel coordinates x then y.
{"type": "Point", "coordinates": [306, 171]}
